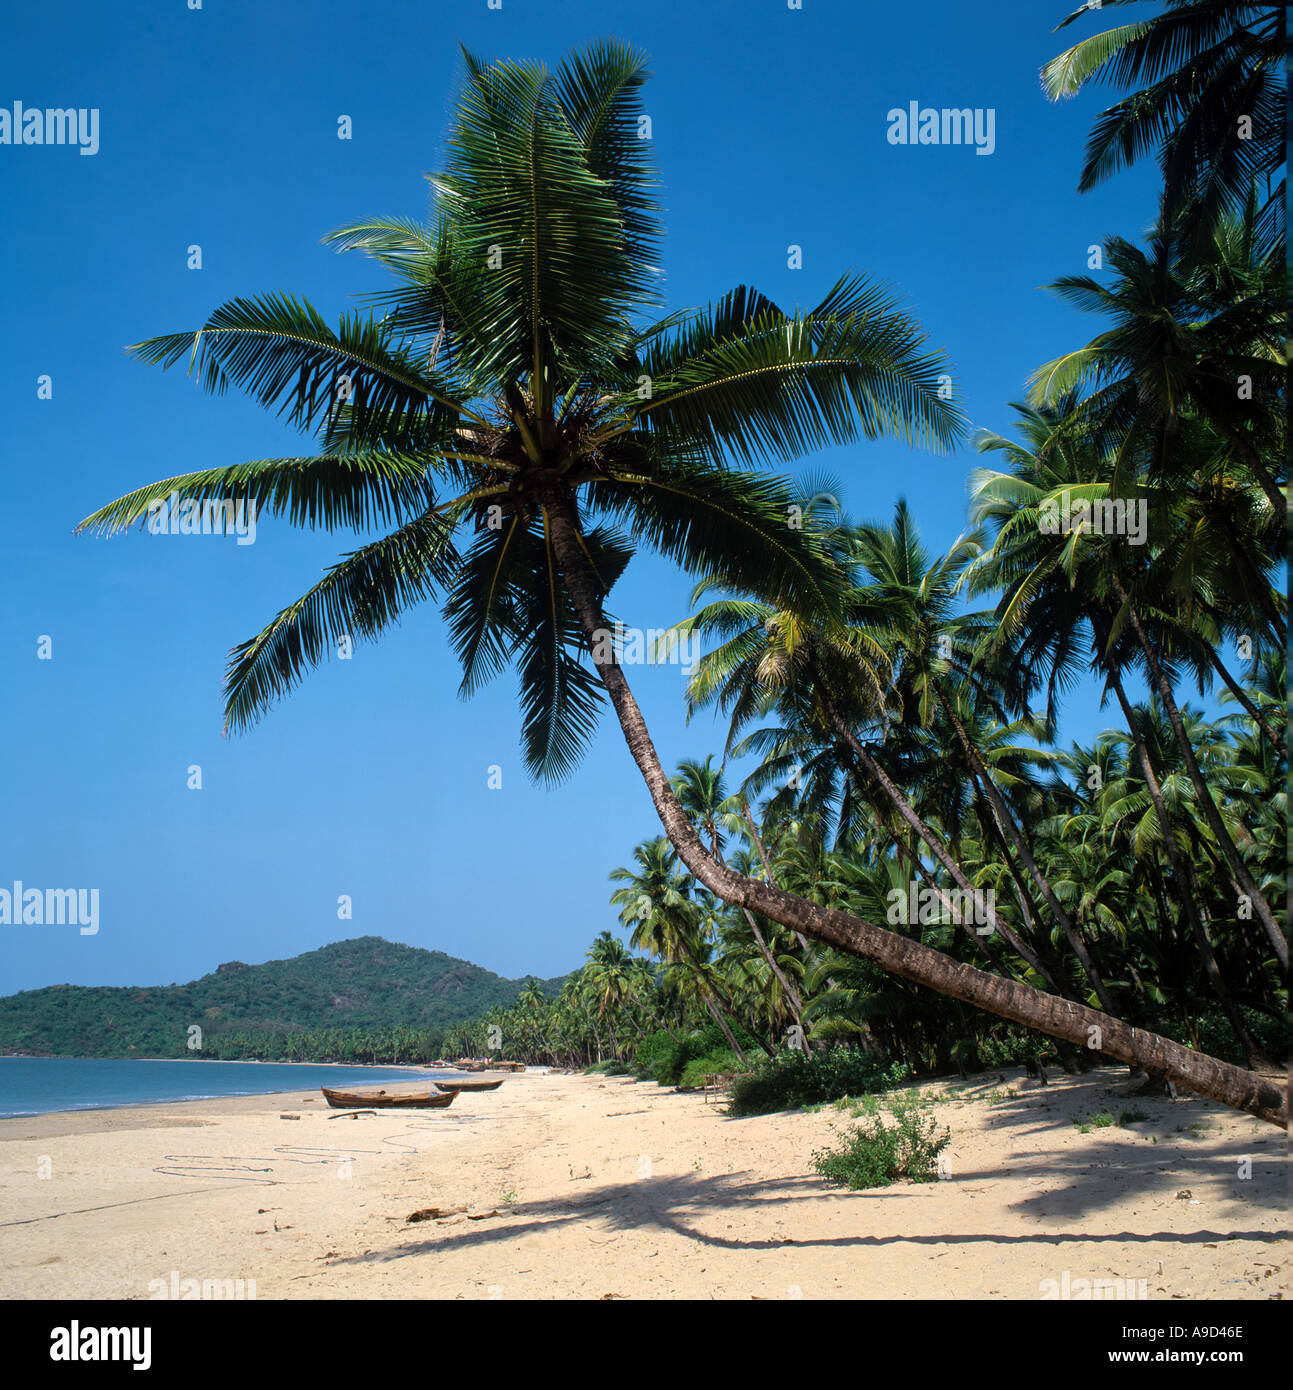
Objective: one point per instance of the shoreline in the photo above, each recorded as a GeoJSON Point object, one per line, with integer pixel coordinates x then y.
{"type": "Point", "coordinates": [570, 1186]}
{"type": "Point", "coordinates": [215, 1061]}
{"type": "Point", "coordinates": [417, 1070]}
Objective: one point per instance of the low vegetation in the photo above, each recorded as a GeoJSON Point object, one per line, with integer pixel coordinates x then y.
{"type": "Point", "coordinates": [878, 1152]}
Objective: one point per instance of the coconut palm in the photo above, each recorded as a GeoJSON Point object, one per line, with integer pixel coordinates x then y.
{"type": "Point", "coordinates": [701, 793]}
{"type": "Point", "coordinates": [1202, 336]}
{"type": "Point", "coordinates": [611, 978]}
{"type": "Point", "coordinates": [1210, 98]}
{"type": "Point", "coordinates": [828, 687]}
{"type": "Point", "coordinates": [1059, 583]}
{"type": "Point", "coordinates": [517, 366]}
{"type": "Point", "coordinates": [666, 917]}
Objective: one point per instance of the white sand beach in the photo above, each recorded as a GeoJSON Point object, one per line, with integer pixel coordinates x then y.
{"type": "Point", "coordinates": [572, 1186]}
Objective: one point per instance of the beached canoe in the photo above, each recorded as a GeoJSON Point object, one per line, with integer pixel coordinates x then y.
{"type": "Point", "coordinates": [380, 1100]}
{"type": "Point", "coordinates": [469, 1085]}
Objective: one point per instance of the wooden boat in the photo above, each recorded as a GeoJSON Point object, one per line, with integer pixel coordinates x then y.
{"type": "Point", "coordinates": [379, 1100]}
{"type": "Point", "coordinates": [509, 1066]}
{"type": "Point", "coordinates": [469, 1085]}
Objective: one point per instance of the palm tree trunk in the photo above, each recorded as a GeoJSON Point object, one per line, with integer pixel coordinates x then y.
{"type": "Point", "coordinates": [1241, 695]}
{"type": "Point", "coordinates": [716, 1001]}
{"type": "Point", "coordinates": [767, 868]}
{"type": "Point", "coordinates": [909, 960]}
{"type": "Point", "coordinates": [717, 1015]}
{"type": "Point", "coordinates": [1207, 805]}
{"type": "Point", "coordinates": [1184, 888]}
{"type": "Point", "coordinates": [1006, 820]}
{"type": "Point", "coordinates": [666, 1028]}
{"type": "Point", "coordinates": [791, 993]}
{"type": "Point", "coordinates": [918, 825]}
{"type": "Point", "coordinates": [981, 943]}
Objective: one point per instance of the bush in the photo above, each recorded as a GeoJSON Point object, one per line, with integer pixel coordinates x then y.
{"type": "Point", "coordinates": [875, 1154]}
{"type": "Point", "coordinates": [1012, 1047]}
{"type": "Point", "coordinates": [659, 1057]}
{"type": "Point", "coordinates": [695, 1072]}
{"type": "Point", "coordinates": [613, 1066]}
{"type": "Point", "coordinates": [793, 1079]}
{"type": "Point", "coordinates": [666, 1060]}
{"type": "Point", "coordinates": [1217, 1036]}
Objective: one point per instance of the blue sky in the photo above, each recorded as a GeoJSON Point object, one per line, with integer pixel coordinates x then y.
{"type": "Point", "coordinates": [218, 128]}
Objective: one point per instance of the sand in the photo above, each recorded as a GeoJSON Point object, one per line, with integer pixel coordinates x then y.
{"type": "Point", "coordinates": [572, 1186]}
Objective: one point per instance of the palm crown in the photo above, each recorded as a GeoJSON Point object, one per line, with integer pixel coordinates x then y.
{"type": "Point", "coordinates": [518, 369]}
{"type": "Point", "coordinates": [1210, 100]}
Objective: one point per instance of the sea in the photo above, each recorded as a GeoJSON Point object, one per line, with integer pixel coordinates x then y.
{"type": "Point", "coordinates": [36, 1085]}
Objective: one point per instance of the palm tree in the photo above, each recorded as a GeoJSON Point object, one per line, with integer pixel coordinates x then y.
{"type": "Point", "coordinates": [515, 363]}
{"type": "Point", "coordinates": [658, 906]}
{"type": "Point", "coordinates": [1154, 366]}
{"type": "Point", "coordinates": [1057, 585]}
{"type": "Point", "coordinates": [612, 978]}
{"type": "Point", "coordinates": [1212, 103]}
{"type": "Point", "coordinates": [701, 793]}
{"type": "Point", "coordinates": [937, 645]}
{"type": "Point", "coordinates": [1188, 335]}
{"type": "Point", "coordinates": [827, 686]}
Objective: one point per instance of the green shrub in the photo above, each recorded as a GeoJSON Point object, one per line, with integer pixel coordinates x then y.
{"type": "Point", "coordinates": [696, 1070]}
{"type": "Point", "coordinates": [666, 1060]}
{"type": "Point", "coordinates": [659, 1057]}
{"type": "Point", "coordinates": [1216, 1035]}
{"type": "Point", "coordinates": [793, 1079]}
{"type": "Point", "coordinates": [876, 1154]}
{"type": "Point", "coordinates": [1012, 1047]}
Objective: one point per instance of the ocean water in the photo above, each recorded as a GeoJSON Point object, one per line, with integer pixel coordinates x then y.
{"type": "Point", "coordinates": [34, 1085]}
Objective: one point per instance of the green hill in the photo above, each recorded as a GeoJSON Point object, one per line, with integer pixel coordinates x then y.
{"type": "Point", "coordinates": [351, 998]}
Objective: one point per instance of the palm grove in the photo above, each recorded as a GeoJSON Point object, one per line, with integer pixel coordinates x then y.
{"type": "Point", "coordinates": [516, 415]}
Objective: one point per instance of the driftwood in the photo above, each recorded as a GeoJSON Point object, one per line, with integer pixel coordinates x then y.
{"type": "Point", "coordinates": [432, 1214]}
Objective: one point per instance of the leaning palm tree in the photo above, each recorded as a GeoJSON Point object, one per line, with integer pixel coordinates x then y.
{"type": "Point", "coordinates": [516, 368]}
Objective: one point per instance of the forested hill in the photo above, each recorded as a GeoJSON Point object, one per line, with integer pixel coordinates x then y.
{"type": "Point", "coordinates": [360, 998]}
